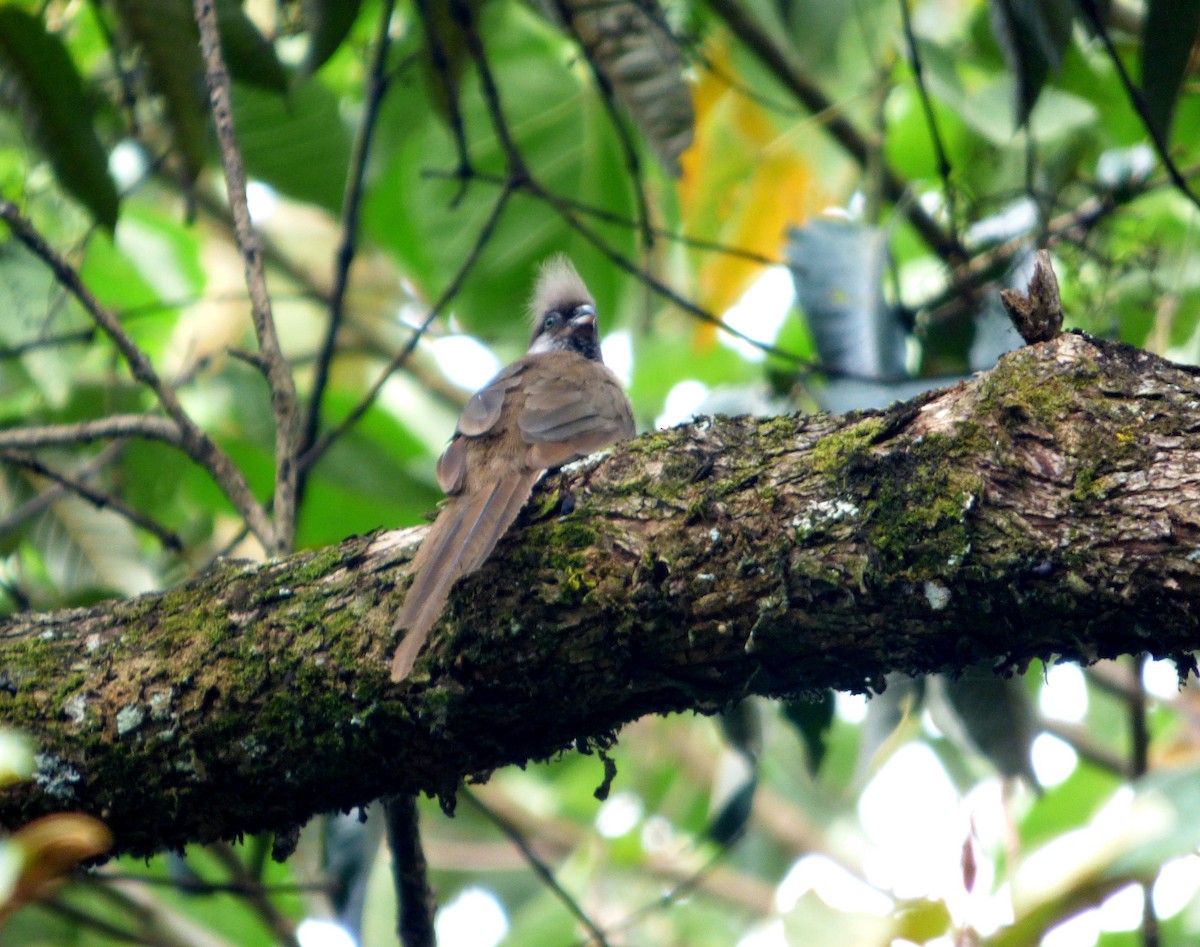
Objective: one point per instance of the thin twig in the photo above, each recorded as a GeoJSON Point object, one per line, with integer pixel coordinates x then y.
{"type": "Point", "coordinates": [99, 925]}
{"type": "Point", "coordinates": [278, 372]}
{"type": "Point", "coordinates": [608, 216]}
{"type": "Point", "coordinates": [992, 263]}
{"type": "Point", "coordinates": [159, 923]}
{"type": "Point", "coordinates": [439, 60]}
{"type": "Point", "coordinates": [521, 178]}
{"type": "Point", "coordinates": [351, 207]}
{"type": "Point", "coordinates": [198, 445]}
{"type": "Point", "coordinates": [608, 97]}
{"type": "Point", "coordinates": [691, 308]}
{"type": "Point", "coordinates": [323, 443]}
{"type": "Point", "coordinates": [282, 927]}
{"type": "Point", "coordinates": [540, 868]}
{"type": "Point", "coordinates": [667, 898]}
{"type": "Point", "coordinates": [517, 171]}
{"type": "Point", "coordinates": [1084, 742]}
{"type": "Point", "coordinates": [202, 888]}
{"type": "Point", "coordinates": [943, 161]}
{"type": "Point", "coordinates": [410, 874]}
{"type": "Point", "coordinates": [1138, 101]}
{"type": "Point", "coordinates": [128, 94]}
{"type": "Point", "coordinates": [52, 494]}
{"type": "Point", "coordinates": [81, 337]}
{"type": "Point", "coordinates": [97, 498]}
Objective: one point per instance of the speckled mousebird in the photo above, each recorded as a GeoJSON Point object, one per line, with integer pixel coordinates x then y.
{"type": "Point", "coordinates": [555, 404]}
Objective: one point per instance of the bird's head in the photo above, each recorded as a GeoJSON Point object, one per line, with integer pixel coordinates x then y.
{"type": "Point", "coordinates": [564, 313]}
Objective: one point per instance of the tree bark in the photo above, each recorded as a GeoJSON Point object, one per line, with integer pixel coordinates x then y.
{"type": "Point", "coordinates": [1051, 507]}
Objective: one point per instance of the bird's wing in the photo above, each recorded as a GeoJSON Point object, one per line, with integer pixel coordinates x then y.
{"type": "Point", "coordinates": [479, 417]}
{"type": "Point", "coordinates": [483, 410]}
{"type": "Point", "coordinates": [573, 411]}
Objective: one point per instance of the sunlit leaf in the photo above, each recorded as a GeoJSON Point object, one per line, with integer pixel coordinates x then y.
{"type": "Point", "coordinates": [328, 23]}
{"type": "Point", "coordinates": [16, 757]}
{"type": "Point", "coordinates": [742, 186]}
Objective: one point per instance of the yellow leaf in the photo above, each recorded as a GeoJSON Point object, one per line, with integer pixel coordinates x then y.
{"type": "Point", "coordinates": [744, 183]}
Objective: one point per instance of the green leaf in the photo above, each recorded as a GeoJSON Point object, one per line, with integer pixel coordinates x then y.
{"type": "Point", "coordinates": [329, 23]}
{"type": "Point", "coordinates": [990, 714]}
{"type": "Point", "coordinates": [1170, 28]}
{"type": "Point", "coordinates": [88, 550]}
{"type": "Point", "coordinates": [50, 98]}
{"type": "Point", "coordinates": [28, 294]}
{"type": "Point", "coordinates": [166, 34]}
{"type": "Point", "coordinates": [250, 57]}
{"type": "Point", "coordinates": [298, 144]}
{"type": "Point", "coordinates": [1033, 35]}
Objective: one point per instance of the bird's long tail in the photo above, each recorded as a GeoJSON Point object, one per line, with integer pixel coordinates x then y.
{"type": "Point", "coordinates": [461, 538]}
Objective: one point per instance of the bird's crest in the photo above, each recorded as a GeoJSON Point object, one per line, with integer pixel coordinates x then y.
{"type": "Point", "coordinates": [558, 287]}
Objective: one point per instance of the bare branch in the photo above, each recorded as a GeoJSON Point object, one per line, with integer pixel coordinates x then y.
{"type": "Point", "coordinates": [540, 868]}
{"type": "Point", "coordinates": [414, 899]}
{"type": "Point", "coordinates": [1032, 513]}
{"type": "Point", "coordinates": [935, 134]}
{"type": "Point", "coordinates": [150, 426]}
{"type": "Point", "coordinates": [1094, 18]}
{"type": "Point", "coordinates": [481, 240]}
{"type": "Point", "coordinates": [190, 437]}
{"type": "Point", "coordinates": [278, 372]}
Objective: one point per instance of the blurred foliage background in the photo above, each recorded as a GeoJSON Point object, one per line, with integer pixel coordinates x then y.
{"type": "Point", "coordinates": [779, 205]}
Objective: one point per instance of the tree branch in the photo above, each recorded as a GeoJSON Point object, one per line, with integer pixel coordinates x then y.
{"type": "Point", "coordinates": [276, 369]}
{"type": "Point", "coordinates": [202, 449]}
{"type": "Point", "coordinates": [1051, 507]}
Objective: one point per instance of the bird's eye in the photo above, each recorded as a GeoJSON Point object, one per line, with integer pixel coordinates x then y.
{"type": "Point", "coordinates": [553, 318]}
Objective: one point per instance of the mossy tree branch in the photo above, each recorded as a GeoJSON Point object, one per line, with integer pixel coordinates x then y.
{"type": "Point", "coordinates": [1050, 507]}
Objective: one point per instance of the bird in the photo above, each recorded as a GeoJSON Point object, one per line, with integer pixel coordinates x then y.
{"type": "Point", "coordinates": [557, 403]}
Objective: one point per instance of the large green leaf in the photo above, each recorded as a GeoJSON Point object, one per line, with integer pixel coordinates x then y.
{"type": "Point", "coordinates": [48, 91]}
{"type": "Point", "coordinates": [89, 550]}
{"type": "Point", "coordinates": [370, 477]}
{"type": "Point", "coordinates": [1170, 29]}
{"type": "Point", "coordinates": [28, 297]}
{"type": "Point", "coordinates": [329, 23]}
{"type": "Point", "coordinates": [1033, 34]}
{"type": "Point", "coordinates": [297, 144]}
{"type": "Point", "coordinates": [166, 32]}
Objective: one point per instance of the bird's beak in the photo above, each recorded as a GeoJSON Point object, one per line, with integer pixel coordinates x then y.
{"type": "Point", "coordinates": [584, 318]}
